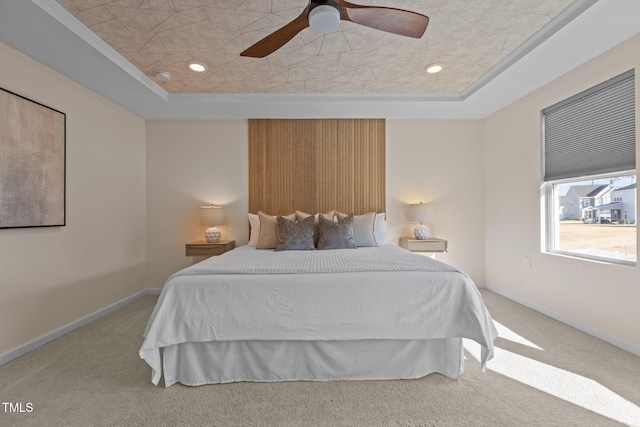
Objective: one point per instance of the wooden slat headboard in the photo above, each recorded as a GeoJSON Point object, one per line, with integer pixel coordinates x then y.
{"type": "Point", "coordinates": [316, 165]}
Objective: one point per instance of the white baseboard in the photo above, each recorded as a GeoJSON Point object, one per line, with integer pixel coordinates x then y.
{"type": "Point", "coordinates": [568, 321]}
{"type": "Point", "coordinates": [22, 350]}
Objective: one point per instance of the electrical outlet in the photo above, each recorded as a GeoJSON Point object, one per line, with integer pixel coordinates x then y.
{"type": "Point", "coordinates": [527, 262]}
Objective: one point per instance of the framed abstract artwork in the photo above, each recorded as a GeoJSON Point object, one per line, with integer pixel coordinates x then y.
{"type": "Point", "coordinates": [32, 163]}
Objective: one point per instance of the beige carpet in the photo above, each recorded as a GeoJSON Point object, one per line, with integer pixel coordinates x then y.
{"type": "Point", "coordinates": [544, 374]}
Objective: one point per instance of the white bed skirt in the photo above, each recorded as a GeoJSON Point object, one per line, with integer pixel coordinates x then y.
{"type": "Point", "coordinates": [216, 362]}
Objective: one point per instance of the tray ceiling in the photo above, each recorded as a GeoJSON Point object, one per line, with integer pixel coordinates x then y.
{"type": "Point", "coordinates": [469, 37]}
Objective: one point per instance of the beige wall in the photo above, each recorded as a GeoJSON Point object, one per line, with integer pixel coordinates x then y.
{"type": "Point", "coordinates": [440, 162]}
{"type": "Point", "coordinates": [50, 277]}
{"type": "Point", "coordinates": [194, 162]}
{"type": "Point", "coordinates": [602, 297]}
{"type": "Point", "coordinates": [190, 163]}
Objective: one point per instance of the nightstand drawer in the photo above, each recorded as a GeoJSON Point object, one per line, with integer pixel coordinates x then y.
{"type": "Point", "coordinates": [430, 245]}
{"type": "Point", "coordinates": [201, 249]}
{"type": "Point", "coordinates": [204, 250]}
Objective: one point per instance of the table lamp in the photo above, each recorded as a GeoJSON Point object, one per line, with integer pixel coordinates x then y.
{"type": "Point", "coordinates": [212, 215]}
{"type": "Point", "coordinates": [421, 212]}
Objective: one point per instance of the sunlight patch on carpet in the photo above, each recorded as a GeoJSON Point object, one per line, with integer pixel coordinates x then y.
{"type": "Point", "coordinates": [574, 388]}
{"type": "Point", "coordinates": [508, 334]}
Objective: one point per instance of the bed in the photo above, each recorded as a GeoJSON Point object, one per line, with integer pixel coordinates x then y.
{"type": "Point", "coordinates": [345, 314]}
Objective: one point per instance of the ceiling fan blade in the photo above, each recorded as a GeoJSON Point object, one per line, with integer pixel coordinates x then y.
{"type": "Point", "coordinates": [391, 20]}
{"type": "Point", "coordinates": [277, 39]}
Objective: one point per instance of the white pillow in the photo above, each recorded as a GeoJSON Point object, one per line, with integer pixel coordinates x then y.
{"type": "Point", "coordinates": [254, 235]}
{"type": "Point", "coordinates": [380, 229]}
{"type": "Point", "coordinates": [362, 229]}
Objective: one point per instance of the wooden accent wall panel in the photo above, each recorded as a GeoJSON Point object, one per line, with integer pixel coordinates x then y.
{"type": "Point", "coordinates": [316, 165]}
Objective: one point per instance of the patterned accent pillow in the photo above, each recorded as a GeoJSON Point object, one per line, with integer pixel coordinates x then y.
{"type": "Point", "coordinates": [302, 215]}
{"type": "Point", "coordinates": [336, 235]}
{"type": "Point", "coordinates": [295, 236]}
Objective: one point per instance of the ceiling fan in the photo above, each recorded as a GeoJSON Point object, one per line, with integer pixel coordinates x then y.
{"type": "Point", "coordinates": [325, 15]}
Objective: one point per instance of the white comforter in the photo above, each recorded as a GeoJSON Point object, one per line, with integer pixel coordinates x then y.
{"type": "Point", "coordinates": [350, 294]}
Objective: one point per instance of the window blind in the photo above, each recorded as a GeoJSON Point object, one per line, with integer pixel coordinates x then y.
{"type": "Point", "coordinates": [593, 132]}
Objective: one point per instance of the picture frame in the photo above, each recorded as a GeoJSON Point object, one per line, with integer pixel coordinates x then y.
{"type": "Point", "coordinates": [32, 163]}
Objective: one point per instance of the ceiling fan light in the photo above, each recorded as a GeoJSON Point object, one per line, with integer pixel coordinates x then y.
{"type": "Point", "coordinates": [324, 18]}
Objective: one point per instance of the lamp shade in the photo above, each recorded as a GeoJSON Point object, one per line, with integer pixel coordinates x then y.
{"type": "Point", "coordinates": [211, 215]}
{"type": "Point", "coordinates": [420, 212]}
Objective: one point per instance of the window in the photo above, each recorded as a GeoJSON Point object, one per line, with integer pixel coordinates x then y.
{"type": "Point", "coordinates": [589, 173]}
{"type": "Point", "coordinates": [605, 231]}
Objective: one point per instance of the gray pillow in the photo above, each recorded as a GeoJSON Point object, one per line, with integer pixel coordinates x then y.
{"type": "Point", "coordinates": [363, 226]}
{"type": "Point", "coordinates": [295, 236]}
{"type": "Point", "coordinates": [336, 235]}
{"type": "Point", "coordinates": [302, 215]}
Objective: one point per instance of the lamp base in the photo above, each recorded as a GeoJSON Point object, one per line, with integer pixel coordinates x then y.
{"type": "Point", "coordinates": [212, 235]}
{"type": "Point", "coordinates": [421, 232]}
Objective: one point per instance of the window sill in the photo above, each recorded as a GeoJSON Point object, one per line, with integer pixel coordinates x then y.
{"type": "Point", "coordinates": [591, 258]}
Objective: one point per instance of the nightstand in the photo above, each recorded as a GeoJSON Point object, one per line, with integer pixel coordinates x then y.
{"type": "Point", "coordinates": [429, 245]}
{"type": "Point", "coordinates": [202, 248]}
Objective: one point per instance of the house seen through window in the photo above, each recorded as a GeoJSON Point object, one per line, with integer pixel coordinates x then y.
{"type": "Point", "coordinates": [597, 217]}
{"type": "Point", "coordinates": [589, 159]}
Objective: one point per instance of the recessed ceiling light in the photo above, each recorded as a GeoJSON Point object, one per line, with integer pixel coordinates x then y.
{"type": "Point", "coordinates": [197, 66]}
{"type": "Point", "coordinates": [434, 68]}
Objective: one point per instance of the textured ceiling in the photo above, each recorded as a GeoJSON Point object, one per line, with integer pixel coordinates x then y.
{"type": "Point", "coordinates": [468, 37]}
